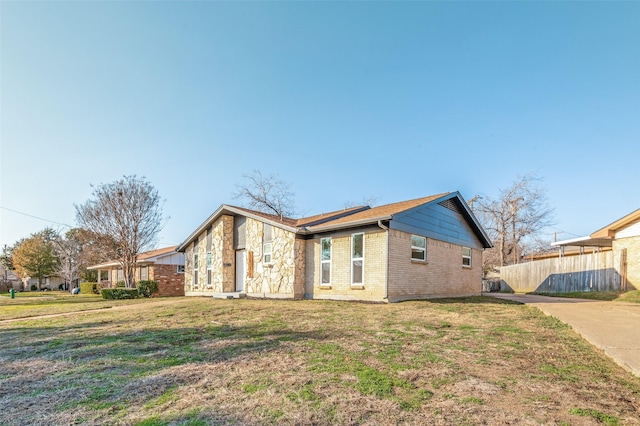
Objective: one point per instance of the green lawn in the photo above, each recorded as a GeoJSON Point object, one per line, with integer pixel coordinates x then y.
{"type": "Point", "coordinates": [36, 303]}
{"type": "Point", "coordinates": [198, 361]}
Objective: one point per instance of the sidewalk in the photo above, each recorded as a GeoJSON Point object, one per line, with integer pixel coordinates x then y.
{"type": "Point", "coordinates": [613, 327]}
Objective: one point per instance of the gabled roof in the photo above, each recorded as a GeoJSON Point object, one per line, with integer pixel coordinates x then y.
{"type": "Point", "coordinates": [150, 255]}
{"type": "Point", "coordinates": [326, 217]}
{"type": "Point", "coordinates": [145, 257]}
{"type": "Point", "coordinates": [341, 219]}
{"type": "Point", "coordinates": [609, 231]}
{"type": "Point", "coordinates": [373, 215]}
{"type": "Point", "coordinates": [290, 224]}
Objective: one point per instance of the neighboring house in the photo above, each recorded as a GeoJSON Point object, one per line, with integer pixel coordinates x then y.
{"type": "Point", "coordinates": [423, 248]}
{"type": "Point", "coordinates": [9, 280]}
{"type": "Point", "coordinates": [606, 260]}
{"type": "Point", "coordinates": [165, 266]}
{"type": "Point", "coordinates": [624, 234]}
{"type": "Point", "coordinates": [48, 283]}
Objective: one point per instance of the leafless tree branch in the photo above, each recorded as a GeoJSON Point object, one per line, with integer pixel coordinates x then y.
{"type": "Point", "coordinates": [128, 214]}
{"type": "Point", "coordinates": [267, 194]}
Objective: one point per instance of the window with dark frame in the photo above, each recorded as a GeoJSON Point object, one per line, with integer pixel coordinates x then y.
{"type": "Point", "coordinates": [418, 248]}
{"type": "Point", "coordinates": [466, 257]}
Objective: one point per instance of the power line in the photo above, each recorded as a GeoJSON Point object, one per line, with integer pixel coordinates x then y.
{"type": "Point", "coordinates": [35, 217]}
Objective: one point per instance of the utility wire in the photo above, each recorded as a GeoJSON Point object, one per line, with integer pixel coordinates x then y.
{"type": "Point", "coordinates": [35, 217]}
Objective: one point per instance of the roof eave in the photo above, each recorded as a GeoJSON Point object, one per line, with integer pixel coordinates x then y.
{"type": "Point", "coordinates": [609, 231]}
{"type": "Point", "coordinates": [234, 211]}
{"type": "Point", "coordinates": [474, 222]}
{"type": "Point", "coordinates": [346, 225]}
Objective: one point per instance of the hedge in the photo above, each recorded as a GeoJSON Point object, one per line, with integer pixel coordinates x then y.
{"type": "Point", "coordinates": [147, 288]}
{"type": "Point", "coordinates": [89, 288]}
{"type": "Point", "coordinates": [120, 293]}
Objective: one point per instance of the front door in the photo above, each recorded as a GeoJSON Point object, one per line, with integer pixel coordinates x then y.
{"type": "Point", "coordinates": [240, 269]}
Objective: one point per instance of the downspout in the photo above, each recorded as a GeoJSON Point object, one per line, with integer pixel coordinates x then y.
{"type": "Point", "coordinates": [386, 263]}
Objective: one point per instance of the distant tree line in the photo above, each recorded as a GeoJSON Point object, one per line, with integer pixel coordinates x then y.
{"type": "Point", "coordinates": [122, 219]}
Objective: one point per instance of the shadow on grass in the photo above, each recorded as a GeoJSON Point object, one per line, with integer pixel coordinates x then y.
{"type": "Point", "coordinates": [474, 300]}
{"type": "Point", "coordinates": [111, 368]}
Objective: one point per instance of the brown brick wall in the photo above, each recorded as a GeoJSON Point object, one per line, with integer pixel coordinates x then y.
{"type": "Point", "coordinates": [170, 282]}
{"type": "Point", "coordinates": [632, 245]}
{"type": "Point", "coordinates": [442, 275]}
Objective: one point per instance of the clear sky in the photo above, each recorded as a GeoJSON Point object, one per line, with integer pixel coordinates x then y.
{"type": "Point", "coordinates": [344, 100]}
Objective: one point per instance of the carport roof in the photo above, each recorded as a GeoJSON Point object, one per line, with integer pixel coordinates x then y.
{"type": "Point", "coordinates": [584, 242]}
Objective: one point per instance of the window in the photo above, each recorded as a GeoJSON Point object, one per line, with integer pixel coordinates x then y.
{"type": "Point", "coordinates": [120, 275]}
{"type": "Point", "coordinates": [209, 270]}
{"type": "Point", "coordinates": [266, 241]}
{"type": "Point", "coordinates": [179, 269]}
{"type": "Point", "coordinates": [325, 261]}
{"type": "Point", "coordinates": [357, 259]}
{"type": "Point", "coordinates": [418, 248]}
{"type": "Point", "coordinates": [267, 252]}
{"type": "Point", "coordinates": [144, 273]}
{"type": "Point", "coordinates": [195, 270]}
{"type": "Point", "coordinates": [466, 257]}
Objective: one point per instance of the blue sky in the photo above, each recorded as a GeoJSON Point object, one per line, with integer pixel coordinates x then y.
{"type": "Point", "coordinates": [344, 100]}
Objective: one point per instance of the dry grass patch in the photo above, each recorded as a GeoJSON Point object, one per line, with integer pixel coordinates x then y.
{"type": "Point", "coordinates": [204, 361]}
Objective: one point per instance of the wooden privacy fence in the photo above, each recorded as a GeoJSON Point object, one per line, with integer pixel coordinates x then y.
{"type": "Point", "coordinates": [604, 271]}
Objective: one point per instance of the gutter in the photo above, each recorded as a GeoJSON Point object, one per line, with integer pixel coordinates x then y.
{"type": "Point", "coordinates": [386, 264]}
{"type": "Point", "coordinates": [367, 221]}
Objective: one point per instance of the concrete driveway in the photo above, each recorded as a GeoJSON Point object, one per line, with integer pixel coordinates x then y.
{"type": "Point", "coordinates": [613, 327]}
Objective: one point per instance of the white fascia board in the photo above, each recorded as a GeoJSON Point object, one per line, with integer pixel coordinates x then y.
{"type": "Point", "coordinates": [584, 241]}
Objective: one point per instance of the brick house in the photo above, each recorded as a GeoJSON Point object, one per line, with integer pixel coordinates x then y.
{"type": "Point", "coordinates": [624, 235]}
{"type": "Point", "coordinates": [164, 265]}
{"type": "Point", "coordinates": [422, 248]}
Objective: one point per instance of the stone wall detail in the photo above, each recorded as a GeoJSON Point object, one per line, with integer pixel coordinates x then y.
{"type": "Point", "coordinates": [279, 276]}
{"type": "Point", "coordinates": [222, 261]}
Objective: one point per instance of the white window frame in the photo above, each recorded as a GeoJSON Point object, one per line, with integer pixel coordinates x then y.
{"type": "Point", "coordinates": [195, 270]}
{"type": "Point", "coordinates": [266, 253]}
{"type": "Point", "coordinates": [325, 261]}
{"type": "Point", "coordinates": [418, 248]}
{"type": "Point", "coordinates": [209, 269]}
{"type": "Point", "coordinates": [467, 256]}
{"type": "Point", "coordinates": [146, 269]}
{"type": "Point", "coordinates": [355, 259]}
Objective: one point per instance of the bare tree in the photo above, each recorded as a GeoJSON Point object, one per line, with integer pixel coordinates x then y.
{"type": "Point", "coordinates": [267, 194]}
{"type": "Point", "coordinates": [514, 219]}
{"type": "Point", "coordinates": [129, 214]}
{"type": "Point", "coordinates": [77, 250]}
{"type": "Point", "coordinates": [68, 249]}
{"type": "Point", "coordinates": [370, 201]}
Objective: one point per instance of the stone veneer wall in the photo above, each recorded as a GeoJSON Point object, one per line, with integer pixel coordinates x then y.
{"type": "Point", "coordinates": [632, 245]}
{"type": "Point", "coordinates": [375, 272]}
{"type": "Point", "coordinates": [442, 275]}
{"type": "Point", "coordinates": [223, 261]}
{"type": "Point", "coordinates": [282, 276]}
